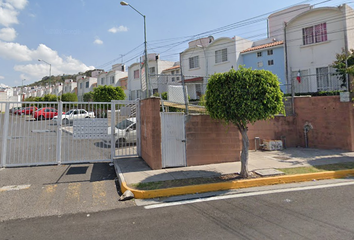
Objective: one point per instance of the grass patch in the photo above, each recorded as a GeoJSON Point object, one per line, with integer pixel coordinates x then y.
{"type": "Point", "coordinates": [319, 168]}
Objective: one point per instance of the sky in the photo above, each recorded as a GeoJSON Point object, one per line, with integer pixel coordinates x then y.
{"type": "Point", "coordinates": [72, 36]}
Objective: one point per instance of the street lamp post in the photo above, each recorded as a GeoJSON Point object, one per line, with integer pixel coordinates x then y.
{"type": "Point", "coordinates": [50, 69]}
{"type": "Point", "coordinates": [22, 97]}
{"type": "Point", "coordinates": [145, 47]}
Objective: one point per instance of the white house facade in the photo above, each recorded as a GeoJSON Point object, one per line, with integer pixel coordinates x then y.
{"type": "Point", "coordinates": [313, 38]}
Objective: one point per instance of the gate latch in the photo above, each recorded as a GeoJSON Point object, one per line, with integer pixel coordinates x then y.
{"type": "Point", "coordinates": [183, 140]}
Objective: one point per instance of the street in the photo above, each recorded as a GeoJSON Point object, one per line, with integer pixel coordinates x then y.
{"type": "Point", "coordinates": [326, 213]}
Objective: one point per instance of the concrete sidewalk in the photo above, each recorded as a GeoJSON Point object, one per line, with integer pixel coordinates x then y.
{"type": "Point", "coordinates": [135, 170]}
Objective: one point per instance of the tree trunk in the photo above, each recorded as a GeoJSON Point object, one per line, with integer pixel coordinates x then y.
{"type": "Point", "coordinates": [244, 154]}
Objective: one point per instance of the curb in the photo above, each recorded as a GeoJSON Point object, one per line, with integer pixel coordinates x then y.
{"type": "Point", "coordinates": [246, 183]}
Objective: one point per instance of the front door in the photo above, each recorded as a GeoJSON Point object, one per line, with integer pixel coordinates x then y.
{"type": "Point", "coordinates": [173, 140]}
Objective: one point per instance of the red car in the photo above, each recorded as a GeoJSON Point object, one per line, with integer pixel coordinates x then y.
{"type": "Point", "coordinates": [27, 111]}
{"type": "Point", "coordinates": [45, 113]}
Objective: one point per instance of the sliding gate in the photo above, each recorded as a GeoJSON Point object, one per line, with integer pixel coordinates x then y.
{"type": "Point", "coordinates": [44, 133]}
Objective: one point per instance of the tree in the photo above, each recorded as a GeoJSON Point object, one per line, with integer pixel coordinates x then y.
{"type": "Point", "coordinates": [49, 98]}
{"type": "Point", "coordinates": [88, 97]}
{"type": "Point", "coordinates": [108, 93]}
{"type": "Point", "coordinates": [344, 64]}
{"type": "Point", "coordinates": [69, 97]}
{"type": "Point", "coordinates": [242, 97]}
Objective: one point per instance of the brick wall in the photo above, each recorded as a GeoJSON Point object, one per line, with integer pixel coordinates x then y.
{"type": "Point", "coordinates": [151, 132]}
{"type": "Point", "coordinates": [209, 141]}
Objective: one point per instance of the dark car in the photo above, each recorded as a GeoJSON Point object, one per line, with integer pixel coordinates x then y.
{"type": "Point", "coordinates": [45, 113]}
{"type": "Point", "coordinates": [14, 109]}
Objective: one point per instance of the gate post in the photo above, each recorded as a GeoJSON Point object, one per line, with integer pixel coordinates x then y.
{"type": "Point", "coordinates": [4, 135]}
{"type": "Point", "coordinates": [59, 131]}
{"type": "Point", "coordinates": [138, 129]}
{"type": "Point", "coordinates": [113, 121]}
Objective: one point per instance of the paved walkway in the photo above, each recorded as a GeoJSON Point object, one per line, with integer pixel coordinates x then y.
{"type": "Point", "coordinates": [135, 170]}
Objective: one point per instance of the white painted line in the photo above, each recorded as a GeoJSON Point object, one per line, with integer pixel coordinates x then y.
{"type": "Point", "coordinates": [246, 195]}
{"type": "Point", "coordinates": [14, 188]}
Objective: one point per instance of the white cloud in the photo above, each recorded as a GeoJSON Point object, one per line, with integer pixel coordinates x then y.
{"type": "Point", "coordinates": [8, 34]}
{"type": "Point", "coordinates": [9, 11]}
{"type": "Point", "coordinates": [59, 65]}
{"type": "Point", "coordinates": [118, 29]}
{"type": "Point", "coordinates": [98, 41]}
{"type": "Point", "coordinates": [2, 77]}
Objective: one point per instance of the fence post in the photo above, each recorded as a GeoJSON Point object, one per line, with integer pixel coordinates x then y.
{"type": "Point", "coordinates": [4, 135]}
{"type": "Point", "coordinates": [113, 121]}
{"type": "Point", "coordinates": [59, 131]}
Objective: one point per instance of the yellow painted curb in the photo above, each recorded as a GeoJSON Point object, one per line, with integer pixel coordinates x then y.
{"type": "Point", "coordinates": [245, 183]}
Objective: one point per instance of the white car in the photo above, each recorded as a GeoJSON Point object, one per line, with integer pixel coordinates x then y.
{"type": "Point", "coordinates": [124, 132]}
{"type": "Point", "coordinates": [72, 114]}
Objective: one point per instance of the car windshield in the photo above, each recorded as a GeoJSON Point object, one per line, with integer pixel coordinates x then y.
{"type": "Point", "coordinates": [124, 124]}
{"type": "Point", "coordinates": [39, 109]}
{"type": "Point", "coordinates": [69, 112]}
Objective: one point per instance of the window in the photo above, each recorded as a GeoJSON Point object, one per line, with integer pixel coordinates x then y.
{"type": "Point", "coordinates": [177, 78]}
{"type": "Point", "coordinates": [102, 80]}
{"type": "Point", "coordinates": [152, 70]}
{"type": "Point", "coordinates": [173, 72]}
{"type": "Point", "coordinates": [259, 54]}
{"type": "Point", "coordinates": [87, 84]}
{"type": "Point", "coordinates": [177, 72]}
{"type": "Point", "coordinates": [322, 79]}
{"type": "Point", "coordinates": [260, 64]}
{"type": "Point", "coordinates": [136, 74]}
{"type": "Point", "coordinates": [173, 79]}
{"type": "Point", "coordinates": [81, 85]}
{"type": "Point", "coordinates": [194, 62]}
{"type": "Point", "coordinates": [270, 52]}
{"type": "Point", "coordinates": [221, 55]}
{"type": "Point", "coordinates": [270, 62]}
{"type": "Point", "coordinates": [112, 79]}
{"type": "Point", "coordinates": [314, 34]}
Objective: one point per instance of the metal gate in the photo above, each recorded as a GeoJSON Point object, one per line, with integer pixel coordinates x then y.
{"type": "Point", "coordinates": [173, 139]}
{"type": "Point", "coordinates": [43, 133]}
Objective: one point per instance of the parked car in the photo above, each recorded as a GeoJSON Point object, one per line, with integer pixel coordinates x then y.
{"type": "Point", "coordinates": [18, 111]}
{"type": "Point", "coordinates": [45, 113]}
{"type": "Point", "coordinates": [125, 132]}
{"type": "Point", "coordinates": [27, 111]}
{"type": "Point", "coordinates": [14, 109]}
{"type": "Point", "coordinates": [72, 114]}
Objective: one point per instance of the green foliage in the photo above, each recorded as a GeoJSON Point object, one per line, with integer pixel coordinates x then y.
{"type": "Point", "coordinates": [49, 98]}
{"type": "Point", "coordinates": [69, 97]}
{"type": "Point", "coordinates": [244, 96]}
{"type": "Point", "coordinates": [315, 94]}
{"type": "Point", "coordinates": [108, 93]}
{"type": "Point", "coordinates": [202, 101]}
{"type": "Point", "coordinates": [343, 68]}
{"type": "Point", "coordinates": [163, 95]}
{"type": "Point", "coordinates": [88, 97]}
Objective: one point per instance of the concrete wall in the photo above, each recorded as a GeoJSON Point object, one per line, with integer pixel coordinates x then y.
{"type": "Point", "coordinates": [151, 132]}
{"type": "Point", "coordinates": [208, 141]}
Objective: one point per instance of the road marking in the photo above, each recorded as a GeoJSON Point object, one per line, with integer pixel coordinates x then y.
{"type": "Point", "coordinates": [246, 195]}
{"type": "Point", "coordinates": [73, 192]}
{"type": "Point", "coordinates": [14, 188]}
{"type": "Point", "coordinates": [99, 193]}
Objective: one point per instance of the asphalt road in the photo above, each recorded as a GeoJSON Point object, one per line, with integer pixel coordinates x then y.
{"type": "Point", "coordinates": [312, 214]}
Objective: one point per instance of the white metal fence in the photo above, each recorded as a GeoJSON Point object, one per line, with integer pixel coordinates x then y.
{"type": "Point", "coordinates": [42, 133]}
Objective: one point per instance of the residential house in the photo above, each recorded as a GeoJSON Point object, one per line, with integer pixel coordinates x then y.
{"type": "Point", "coordinates": [136, 76]}
{"type": "Point", "coordinates": [269, 56]}
{"type": "Point", "coordinates": [114, 77]}
{"type": "Point", "coordinates": [207, 56]}
{"type": "Point", "coordinates": [169, 76]}
{"type": "Point", "coordinates": [85, 85]}
{"type": "Point", "coordinates": [70, 86]}
{"type": "Point", "coordinates": [313, 38]}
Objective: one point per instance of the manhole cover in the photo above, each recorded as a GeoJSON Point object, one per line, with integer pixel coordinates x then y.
{"type": "Point", "coordinates": [268, 172]}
